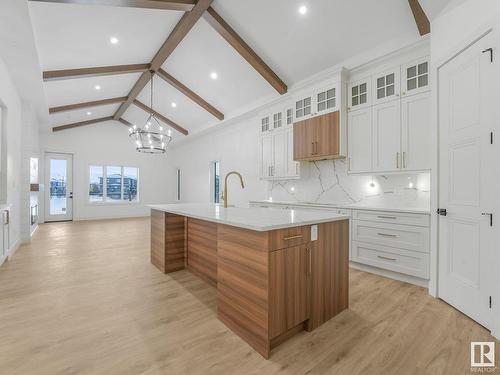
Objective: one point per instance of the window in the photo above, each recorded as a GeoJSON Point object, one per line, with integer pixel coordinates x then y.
{"type": "Point", "coordinates": [215, 182]}
{"type": "Point", "coordinates": [113, 184]}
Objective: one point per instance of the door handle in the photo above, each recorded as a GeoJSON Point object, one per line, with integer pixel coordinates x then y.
{"type": "Point", "coordinates": [490, 215]}
{"type": "Point", "coordinates": [387, 235]}
{"type": "Point", "coordinates": [70, 195]}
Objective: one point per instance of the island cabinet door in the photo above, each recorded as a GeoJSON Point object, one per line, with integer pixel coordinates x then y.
{"type": "Point", "coordinates": [289, 271]}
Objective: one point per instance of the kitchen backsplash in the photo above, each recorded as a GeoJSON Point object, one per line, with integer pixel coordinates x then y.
{"type": "Point", "coordinates": [327, 181]}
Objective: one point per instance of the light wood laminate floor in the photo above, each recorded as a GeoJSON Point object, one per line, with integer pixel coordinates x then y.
{"type": "Point", "coordinates": [82, 298]}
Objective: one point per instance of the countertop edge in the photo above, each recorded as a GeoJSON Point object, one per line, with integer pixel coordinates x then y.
{"type": "Point", "coordinates": [249, 227]}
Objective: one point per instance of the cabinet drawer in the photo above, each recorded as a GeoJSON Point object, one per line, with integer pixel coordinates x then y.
{"type": "Point", "coordinates": [288, 237]}
{"type": "Point", "coordinates": [402, 236]}
{"type": "Point", "coordinates": [394, 259]}
{"type": "Point", "coordinates": [392, 217]}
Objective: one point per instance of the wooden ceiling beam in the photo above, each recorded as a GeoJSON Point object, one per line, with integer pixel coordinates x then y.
{"type": "Point", "coordinates": [125, 122]}
{"type": "Point", "coordinates": [190, 94]}
{"type": "Point", "coordinates": [423, 24]}
{"type": "Point", "coordinates": [185, 24]}
{"type": "Point", "coordinates": [55, 75]}
{"type": "Point", "coordinates": [95, 103]}
{"type": "Point", "coordinates": [160, 117]}
{"type": "Point", "coordinates": [232, 37]}
{"type": "Point", "coordinates": [82, 123]}
{"type": "Point", "coordinates": [181, 5]}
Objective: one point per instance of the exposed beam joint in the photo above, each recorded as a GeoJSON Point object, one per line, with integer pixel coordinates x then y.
{"type": "Point", "coordinates": [125, 122]}
{"type": "Point", "coordinates": [181, 5]}
{"type": "Point", "coordinates": [82, 123]}
{"type": "Point", "coordinates": [232, 37]}
{"type": "Point", "coordinates": [96, 103]}
{"type": "Point", "coordinates": [186, 23]}
{"type": "Point", "coordinates": [160, 117]}
{"type": "Point", "coordinates": [423, 24]}
{"type": "Point", "coordinates": [54, 75]}
{"type": "Point", "coordinates": [190, 94]}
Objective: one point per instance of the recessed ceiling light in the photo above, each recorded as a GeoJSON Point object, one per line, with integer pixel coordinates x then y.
{"type": "Point", "coordinates": [114, 40]}
{"type": "Point", "coordinates": [97, 87]}
{"type": "Point", "coordinates": [174, 105]}
{"type": "Point", "coordinates": [302, 9]}
{"type": "Point", "coordinates": [213, 75]}
{"type": "Point", "coordinates": [89, 113]}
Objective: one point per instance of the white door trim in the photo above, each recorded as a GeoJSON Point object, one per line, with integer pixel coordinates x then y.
{"type": "Point", "coordinates": [70, 177]}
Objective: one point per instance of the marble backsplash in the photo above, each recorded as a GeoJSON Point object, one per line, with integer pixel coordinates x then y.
{"type": "Point", "coordinates": [327, 181]}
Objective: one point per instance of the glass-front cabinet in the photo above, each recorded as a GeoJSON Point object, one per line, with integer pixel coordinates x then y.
{"type": "Point", "coordinates": [326, 99]}
{"type": "Point", "coordinates": [359, 94]}
{"type": "Point", "coordinates": [386, 85]}
{"type": "Point", "coordinates": [415, 78]}
{"type": "Point", "coordinates": [303, 107]}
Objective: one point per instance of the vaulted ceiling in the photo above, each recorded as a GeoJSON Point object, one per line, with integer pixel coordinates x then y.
{"type": "Point", "coordinates": [293, 46]}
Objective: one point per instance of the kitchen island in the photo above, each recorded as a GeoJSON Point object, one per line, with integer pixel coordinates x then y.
{"type": "Point", "coordinates": [277, 272]}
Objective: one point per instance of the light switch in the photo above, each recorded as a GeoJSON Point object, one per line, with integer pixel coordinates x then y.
{"type": "Point", "coordinates": [314, 232]}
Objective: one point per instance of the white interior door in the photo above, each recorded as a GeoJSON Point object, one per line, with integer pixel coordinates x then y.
{"type": "Point", "coordinates": [467, 175]}
{"type": "Point", "coordinates": [58, 187]}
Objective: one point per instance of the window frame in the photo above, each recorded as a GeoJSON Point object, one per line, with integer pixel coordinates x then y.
{"type": "Point", "coordinates": [104, 201]}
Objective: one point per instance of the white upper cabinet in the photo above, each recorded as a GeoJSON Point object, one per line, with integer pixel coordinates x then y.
{"type": "Point", "coordinates": [289, 115]}
{"type": "Point", "coordinates": [266, 156]}
{"type": "Point", "coordinates": [292, 167]}
{"type": "Point", "coordinates": [386, 85]}
{"type": "Point", "coordinates": [326, 100]}
{"type": "Point", "coordinates": [415, 77]}
{"type": "Point", "coordinates": [303, 107]}
{"type": "Point", "coordinates": [359, 127]}
{"type": "Point", "coordinates": [279, 167]}
{"type": "Point", "coordinates": [387, 136]}
{"type": "Point", "coordinates": [359, 94]}
{"type": "Point", "coordinates": [416, 130]}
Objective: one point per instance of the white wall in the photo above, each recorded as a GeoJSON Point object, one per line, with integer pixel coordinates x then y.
{"type": "Point", "coordinates": [236, 148]}
{"type": "Point", "coordinates": [109, 144]}
{"type": "Point", "coordinates": [460, 23]}
{"type": "Point", "coordinates": [11, 168]}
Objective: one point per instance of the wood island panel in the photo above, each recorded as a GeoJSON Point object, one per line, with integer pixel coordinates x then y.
{"type": "Point", "coordinates": [167, 241]}
{"type": "Point", "coordinates": [202, 249]}
{"type": "Point", "coordinates": [330, 279]}
{"type": "Point", "coordinates": [242, 287]}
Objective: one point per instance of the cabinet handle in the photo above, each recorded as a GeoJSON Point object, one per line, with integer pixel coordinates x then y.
{"type": "Point", "coordinates": [386, 217]}
{"type": "Point", "coordinates": [386, 258]}
{"type": "Point", "coordinates": [404, 159]}
{"type": "Point", "coordinates": [349, 163]}
{"type": "Point", "coordinates": [309, 262]}
{"type": "Point", "coordinates": [316, 148]}
{"type": "Point", "coordinates": [397, 160]}
{"type": "Point", "coordinates": [312, 145]}
{"type": "Point", "coordinates": [292, 237]}
{"type": "Point", "coordinates": [387, 235]}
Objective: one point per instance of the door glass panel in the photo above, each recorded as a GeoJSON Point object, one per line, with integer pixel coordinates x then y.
{"type": "Point", "coordinates": [354, 90]}
{"type": "Point", "coordinates": [362, 88]}
{"type": "Point", "coordinates": [362, 99]}
{"type": "Point", "coordinates": [321, 106]}
{"type": "Point", "coordinates": [321, 96]}
{"type": "Point", "coordinates": [380, 93]}
{"type": "Point", "coordinates": [330, 103]}
{"type": "Point", "coordinates": [422, 68]}
{"type": "Point", "coordinates": [58, 182]}
{"type": "Point", "coordinates": [330, 93]}
{"type": "Point", "coordinates": [113, 183]}
{"type": "Point", "coordinates": [422, 81]}
{"type": "Point", "coordinates": [390, 90]}
{"type": "Point", "coordinates": [412, 84]}
{"type": "Point", "coordinates": [389, 79]}
{"type": "Point", "coordinates": [355, 100]}
{"type": "Point", "coordinates": [411, 71]}
{"type": "Point", "coordinates": [381, 82]}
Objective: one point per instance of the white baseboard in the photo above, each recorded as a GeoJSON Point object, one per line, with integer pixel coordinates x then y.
{"type": "Point", "coordinates": [391, 274]}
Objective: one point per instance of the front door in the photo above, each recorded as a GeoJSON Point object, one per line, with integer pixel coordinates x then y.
{"type": "Point", "coordinates": [58, 187]}
{"type": "Point", "coordinates": [468, 178]}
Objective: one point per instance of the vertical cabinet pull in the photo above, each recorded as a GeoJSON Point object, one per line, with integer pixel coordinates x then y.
{"type": "Point", "coordinates": [404, 159]}
{"type": "Point", "coordinates": [397, 159]}
{"type": "Point", "coordinates": [308, 262]}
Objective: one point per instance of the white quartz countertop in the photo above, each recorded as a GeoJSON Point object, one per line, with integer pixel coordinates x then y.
{"type": "Point", "coordinates": [253, 218]}
{"type": "Point", "coordinates": [375, 206]}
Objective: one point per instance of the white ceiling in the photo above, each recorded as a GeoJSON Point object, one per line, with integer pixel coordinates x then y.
{"type": "Point", "coordinates": [295, 46]}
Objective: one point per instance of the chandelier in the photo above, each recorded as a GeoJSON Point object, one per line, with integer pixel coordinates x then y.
{"type": "Point", "coordinates": [151, 138]}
